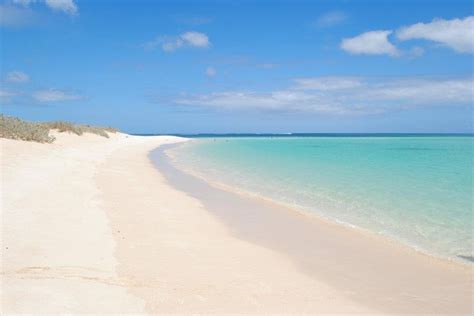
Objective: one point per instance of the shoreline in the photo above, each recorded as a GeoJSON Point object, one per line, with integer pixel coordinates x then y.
{"type": "Point", "coordinates": [384, 244]}
{"type": "Point", "coordinates": [466, 263]}
{"type": "Point", "coordinates": [90, 225]}
{"type": "Point", "coordinates": [179, 258]}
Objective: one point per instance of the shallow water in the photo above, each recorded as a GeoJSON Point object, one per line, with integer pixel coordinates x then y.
{"type": "Point", "coordinates": [417, 190]}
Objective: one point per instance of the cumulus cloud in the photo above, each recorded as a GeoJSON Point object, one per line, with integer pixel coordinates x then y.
{"type": "Point", "coordinates": [17, 77]}
{"type": "Point", "coordinates": [330, 19]}
{"type": "Point", "coordinates": [65, 6]}
{"type": "Point", "coordinates": [55, 95]}
{"type": "Point", "coordinates": [370, 43]}
{"type": "Point", "coordinates": [457, 34]}
{"type": "Point", "coordinates": [343, 95]}
{"type": "Point", "coordinates": [187, 39]}
{"type": "Point", "coordinates": [211, 71]}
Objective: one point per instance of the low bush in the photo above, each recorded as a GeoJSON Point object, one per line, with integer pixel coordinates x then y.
{"type": "Point", "coordinates": [14, 128]}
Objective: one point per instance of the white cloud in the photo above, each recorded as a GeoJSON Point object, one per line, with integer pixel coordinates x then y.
{"type": "Point", "coordinates": [416, 51]}
{"type": "Point", "coordinates": [422, 91]}
{"type": "Point", "coordinates": [211, 72]}
{"type": "Point", "coordinates": [151, 45]}
{"type": "Point", "coordinates": [55, 95]}
{"type": "Point", "coordinates": [24, 3]}
{"type": "Point", "coordinates": [457, 34]}
{"type": "Point", "coordinates": [327, 83]}
{"type": "Point", "coordinates": [187, 39]}
{"type": "Point", "coordinates": [66, 6]}
{"type": "Point", "coordinates": [170, 46]}
{"type": "Point", "coordinates": [244, 99]}
{"type": "Point", "coordinates": [330, 19]}
{"type": "Point", "coordinates": [340, 95]}
{"type": "Point", "coordinates": [7, 94]}
{"type": "Point", "coordinates": [195, 39]}
{"type": "Point", "coordinates": [17, 77]}
{"type": "Point", "coordinates": [370, 43]}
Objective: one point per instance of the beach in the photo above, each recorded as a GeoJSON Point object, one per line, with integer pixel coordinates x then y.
{"type": "Point", "coordinates": [97, 225]}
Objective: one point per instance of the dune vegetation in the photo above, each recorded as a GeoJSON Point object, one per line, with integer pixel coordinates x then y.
{"type": "Point", "coordinates": [15, 128]}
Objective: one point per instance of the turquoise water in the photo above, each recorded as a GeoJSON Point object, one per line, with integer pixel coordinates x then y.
{"type": "Point", "coordinates": [417, 190]}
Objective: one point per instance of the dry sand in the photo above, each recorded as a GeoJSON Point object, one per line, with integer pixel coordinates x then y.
{"type": "Point", "coordinates": [90, 226]}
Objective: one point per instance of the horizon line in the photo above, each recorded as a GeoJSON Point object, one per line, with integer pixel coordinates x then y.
{"type": "Point", "coordinates": [309, 134]}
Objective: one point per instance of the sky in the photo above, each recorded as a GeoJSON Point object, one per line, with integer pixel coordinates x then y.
{"type": "Point", "coordinates": [240, 66]}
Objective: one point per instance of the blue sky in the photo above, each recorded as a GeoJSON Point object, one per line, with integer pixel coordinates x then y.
{"type": "Point", "coordinates": [240, 66]}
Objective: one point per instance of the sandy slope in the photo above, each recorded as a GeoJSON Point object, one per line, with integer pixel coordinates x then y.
{"type": "Point", "coordinates": [57, 247]}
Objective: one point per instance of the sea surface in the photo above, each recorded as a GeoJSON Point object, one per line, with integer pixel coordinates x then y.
{"type": "Point", "coordinates": [416, 189]}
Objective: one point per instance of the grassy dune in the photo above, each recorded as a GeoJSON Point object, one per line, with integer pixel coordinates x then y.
{"type": "Point", "coordinates": [15, 128]}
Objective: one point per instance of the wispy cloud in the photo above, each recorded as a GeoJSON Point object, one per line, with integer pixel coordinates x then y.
{"type": "Point", "coordinates": [195, 39]}
{"type": "Point", "coordinates": [6, 94]}
{"type": "Point", "coordinates": [327, 83]}
{"type": "Point", "coordinates": [330, 19]}
{"type": "Point", "coordinates": [24, 3]}
{"type": "Point", "coordinates": [65, 6]}
{"type": "Point", "coordinates": [370, 43]}
{"type": "Point", "coordinates": [17, 77]}
{"type": "Point", "coordinates": [457, 34]}
{"type": "Point", "coordinates": [56, 95]}
{"type": "Point", "coordinates": [16, 16]}
{"type": "Point", "coordinates": [187, 39]}
{"type": "Point", "coordinates": [211, 71]}
{"type": "Point", "coordinates": [343, 95]}
{"type": "Point", "coordinates": [416, 51]}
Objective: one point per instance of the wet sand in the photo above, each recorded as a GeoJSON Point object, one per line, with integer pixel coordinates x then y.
{"type": "Point", "coordinates": [366, 268]}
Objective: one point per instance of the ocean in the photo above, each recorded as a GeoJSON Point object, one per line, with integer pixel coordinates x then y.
{"type": "Point", "coordinates": [416, 189]}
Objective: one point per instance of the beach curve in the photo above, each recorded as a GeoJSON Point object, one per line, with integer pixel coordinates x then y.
{"type": "Point", "coordinates": [94, 226]}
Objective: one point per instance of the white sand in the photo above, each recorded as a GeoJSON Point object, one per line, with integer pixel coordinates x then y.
{"type": "Point", "coordinates": [57, 247]}
{"type": "Point", "coordinates": [89, 225]}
